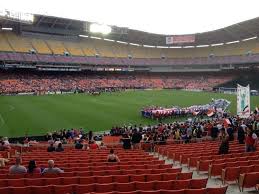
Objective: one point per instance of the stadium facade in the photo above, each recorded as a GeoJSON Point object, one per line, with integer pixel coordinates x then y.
{"type": "Point", "coordinates": [59, 44]}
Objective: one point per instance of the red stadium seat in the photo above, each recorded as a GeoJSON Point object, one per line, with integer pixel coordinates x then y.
{"type": "Point", "coordinates": [41, 189]}
{"type": "Point", "coordinates": [181, 184]}
{"type": "Point", "coordinates": [87, 180]}
{"type": "Point", "coordinates": [52, 181]}
{"type": "Point", "coordinates": [16, 182]}
{"type": "Point", "coordinates": [63, 189]}
{"type": "Point", "coordinates": [125, 187]}
{"type": "Point", "coordinates": [172, 191]}
{"type": "Point", "coordinates": [81, 189]}
{"type": "Point", "coordinates": [149, 192]}
{"type": "Point", "coordinates": [5, 190]}
{"type": "Point", "coordinates": [144, 186]}
{"type": "Point", "coordinates": [195, 191]}
{"type": "Point", "coordinates": [103, 179]}
{"type": "Point", "coordinates": [198, 183]}
{"type": "Point", "coordinates": [219, 190]}
{"type": "Point", "coordinates": [164, 185]}
{"type": "Point", "coordinates": [153, 177]}
{"type": "Point", "coordinates": [69, 180]}
{"type": "Point", "coordinates": [104, 187]}
{"type": "Point", "coordinates": [169, 176]}
{"type": "Point", "coordinates": [139, 178]}
{"type": "Point", "coordinates": [121, 178]}
{"type": "Point", "coordinates": [34, 182]}
{"type": "Point", "coordinates": [184, 175]}
{"type": "Point", "coordinates": [20, 190]}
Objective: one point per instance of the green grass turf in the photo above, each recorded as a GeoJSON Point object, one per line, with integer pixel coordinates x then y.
{"type": "Point", "coordinates": [37, 115]}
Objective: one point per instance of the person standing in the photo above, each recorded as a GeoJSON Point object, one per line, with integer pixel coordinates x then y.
{"type": "Point", "coordinates": [251, 140]}
{"type": "Point", "coordinates": [241, 135]}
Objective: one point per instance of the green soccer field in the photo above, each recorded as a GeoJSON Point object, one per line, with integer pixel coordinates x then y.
{"type": "Point", "coordinates": [35, 115]}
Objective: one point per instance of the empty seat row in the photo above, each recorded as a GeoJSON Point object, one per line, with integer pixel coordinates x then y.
{"type": "Point", "coordinates": [103, 188]}
{"type": "Point", "coordinates": [227, 170]}
{"type": "Point", "coordinates": [62, 180]}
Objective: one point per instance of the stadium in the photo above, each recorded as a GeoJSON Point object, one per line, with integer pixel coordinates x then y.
{"type": "Point", "coordinates": [121, 110]}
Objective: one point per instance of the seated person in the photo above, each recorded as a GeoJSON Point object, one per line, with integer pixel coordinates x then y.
{"type": "Point", "coordinates": [79, 145]}
{"type": "Point", "coordinates": [3, 161]}
{"type": "Point", "coordinates": [112, 157]}
{"type": "Point", "coordinates": [51, 148]}
{"type": "Point", "coordinates": [32, 168]}
{"type": "Point", "coordinates": [93, 145]}
{"type": "Point", "coordinates": [17, 168]}
{"type": "Point", "coordinates": [102, 146]}
{"type": "Point", "coordinates": [59, 148]}
{"type": "Point", "coordinates": [51, 168]}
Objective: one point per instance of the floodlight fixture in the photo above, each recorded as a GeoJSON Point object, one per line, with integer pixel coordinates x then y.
{"type": "Point", "coordinates": [100, 28]}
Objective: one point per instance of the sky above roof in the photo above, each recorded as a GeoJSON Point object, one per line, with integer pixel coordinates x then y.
{"type": "Point", "coordinates": [155, 16]}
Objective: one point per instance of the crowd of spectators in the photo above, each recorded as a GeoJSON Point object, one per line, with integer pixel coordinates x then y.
{"type": "Point", "coordinates": [20, 82]}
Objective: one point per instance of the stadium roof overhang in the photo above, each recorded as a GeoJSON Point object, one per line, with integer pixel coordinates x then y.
{"type": "Point", "coordinates": [64, 26]}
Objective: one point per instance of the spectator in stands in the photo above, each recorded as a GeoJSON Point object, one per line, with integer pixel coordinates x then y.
{"type": "Point", "coordinates": [102, 146]}
{"type": "Point", "coordinates": [126, 141]}
{"type": "Point", "coordinates": [230, 132]}
{"type": "Point", "coordinates": [112, 157]}
{"type": "Point", "coordinates": [32, 168]}
{"type": "Point", "coordinates": [51, 168]}
{"type": "Point", "coordinates": [3, 161]}
{"type": "Point", "coordinates": [135, 139]}
{"type": "Point", "coordinates": [59, 148]}
{"type": "Point", "coordinates": [51, 148]}
{"type": "Point", "coordinates": [79, 145]}
{"type": "Point", "coordinates": [93, 145]}
{"type": "Point", "coordinates": [57, 142]}
{"type": "Point", "coordinates": [241, 135]}
{"type": "Point", "coordinates": [251, 141]}
{"type": "Point", "coordinates": [214, 132]}
{"type": "Point", "coordinates": [17, 168]}
{"type": "Point", "coordinates": [224, 146]}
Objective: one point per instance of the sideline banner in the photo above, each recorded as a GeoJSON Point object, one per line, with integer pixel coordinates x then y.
{"type": "Point", "coordinates": [243, 101]}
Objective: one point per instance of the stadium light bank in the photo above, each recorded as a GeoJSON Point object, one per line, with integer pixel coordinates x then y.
{"type": "Point", "coordinates": [100, 28]}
